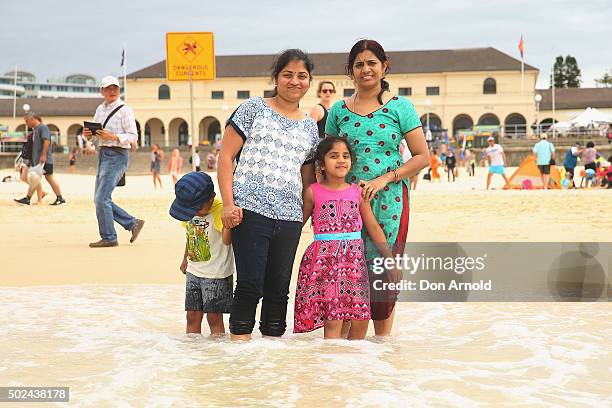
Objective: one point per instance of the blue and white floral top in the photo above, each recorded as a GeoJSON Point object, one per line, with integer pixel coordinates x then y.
{"type": "Point", "coordinates": [267, 179]}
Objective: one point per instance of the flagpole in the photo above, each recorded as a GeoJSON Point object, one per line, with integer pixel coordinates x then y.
{"type": "Point", "coordinates": [552, 77]}
{"type": "Point", "coordinates": [124, 73]}
{"type": "Point", "coordinates": [194, 134]}
{"type": "Point", "coordinates": [522, 50]}
{"type": "Point", "coordinates": [15, 101]}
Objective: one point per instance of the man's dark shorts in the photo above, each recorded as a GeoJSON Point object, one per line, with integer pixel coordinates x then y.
{"type": "Point", "coordinates": [48, 169]}
{"type": "Point", "coordinates": [544, 168]}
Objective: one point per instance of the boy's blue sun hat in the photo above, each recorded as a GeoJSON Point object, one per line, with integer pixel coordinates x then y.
{"type": "Point", "coordinates": [191, 191]}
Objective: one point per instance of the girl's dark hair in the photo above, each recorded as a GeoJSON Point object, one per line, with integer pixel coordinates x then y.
{"type": "Point", "coordinates": [285, 58]}
{"type": "Point", "coordinates": [321, 87]}
{"type": "Point", "coordinates": [326, 145]}
{"type": "Point", "coordinates": [377, 50]}
{"type": "Point", "coordinates": [590, 144]}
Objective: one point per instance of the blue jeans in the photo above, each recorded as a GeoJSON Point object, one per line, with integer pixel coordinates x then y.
{"type": "Point", "coordinates": [111, 166]}
{"type": "Point", "coordinates": [264, 250]}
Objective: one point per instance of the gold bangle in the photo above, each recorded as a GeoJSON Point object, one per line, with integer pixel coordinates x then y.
{"type": "Point", "coordinates": [395, 175]}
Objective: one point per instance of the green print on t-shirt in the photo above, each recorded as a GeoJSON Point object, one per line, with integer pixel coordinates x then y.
{"type": "Point", "coordinates": [198, 247]}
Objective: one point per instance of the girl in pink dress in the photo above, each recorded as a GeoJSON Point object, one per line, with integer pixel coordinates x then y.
{"type": "Point", "coordinates": [332, 284]}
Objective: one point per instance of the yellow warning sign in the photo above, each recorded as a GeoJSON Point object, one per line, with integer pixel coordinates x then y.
{"type": "Point", "coordinates": [190, 51]}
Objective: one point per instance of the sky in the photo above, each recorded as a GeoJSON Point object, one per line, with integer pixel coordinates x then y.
{"type": "Point", "coordinates": [55, 39]}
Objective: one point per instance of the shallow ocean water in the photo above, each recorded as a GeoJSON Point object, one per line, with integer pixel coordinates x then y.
{"type": "Point", "coordinates": [125, 346]}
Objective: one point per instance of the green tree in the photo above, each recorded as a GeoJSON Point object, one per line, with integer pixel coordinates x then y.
{"type": "Point", "coordinates": [567, 73]}
{"type": "Point", "coordinates": [605, 81]}
{"type": "Point", "coordinates": [572, 72]}
{"type": "Point", "coordinates": [559, 71]}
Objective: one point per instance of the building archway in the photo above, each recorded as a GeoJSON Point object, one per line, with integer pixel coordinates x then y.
{"type": "Point", "coordinates": [139, 133]}
{"type": "Point", "coordinates": [154, 132]}
{"type": "Point", "coordinates": [435, 123]}
{"type": "Point", "coordinates": [73, 131]}
{"type": "Point", "coordinates": [179, 132]}
{"type": "Point", "coordinates": [515, 125]}
{"type": "Point", "coordinates": [488, 119]}
{"type": "Point", "coordinates": [461, 122]}
{"type": "Point", "coordinates": [209, 130]}
{"type": "Point", "coordinates": [546, 123]}
{"type": "Point", "coordinates": [55, 133]}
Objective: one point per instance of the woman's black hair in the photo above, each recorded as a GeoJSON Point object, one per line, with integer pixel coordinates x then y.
{"type": "Point", "coordinates": [285, 58]}
{"type": "Point", "coordinates": [377, 50]}
{"type": "Point", "coordinates": [590, 144]}
{"type": "Point", "coordinates": [326, 145]}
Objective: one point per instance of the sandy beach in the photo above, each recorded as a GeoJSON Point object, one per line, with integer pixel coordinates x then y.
{"type": "Point", "coordinates": [109, 323]}
{"type": "Point", "coordinates": [445, 212]}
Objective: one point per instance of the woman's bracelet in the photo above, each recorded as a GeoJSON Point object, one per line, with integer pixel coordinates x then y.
{"type": "Point", "coordinates": [395, 176]}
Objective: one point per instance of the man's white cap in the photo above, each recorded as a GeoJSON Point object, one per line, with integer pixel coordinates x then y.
{"type": "Point", "coordinates": [490, 138]}
{"type": "Point", "coordinates": [543, 136]}
{"type": "Point", "coordinates": [108, 81]}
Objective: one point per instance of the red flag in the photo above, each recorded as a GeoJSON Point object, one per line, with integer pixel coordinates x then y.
{"type": "Point", "coordinates": [522, 47]}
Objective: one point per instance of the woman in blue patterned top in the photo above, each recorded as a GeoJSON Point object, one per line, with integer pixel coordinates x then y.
{"type": "Point", "coordinates": [274, 144]}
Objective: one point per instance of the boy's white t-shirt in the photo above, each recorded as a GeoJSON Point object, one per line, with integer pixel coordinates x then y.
{"type": "Point", "coordinates": [207, 255]}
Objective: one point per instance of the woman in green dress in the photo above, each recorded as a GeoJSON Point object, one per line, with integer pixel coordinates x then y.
{"type": "Point", "coordinates": [374, 120]}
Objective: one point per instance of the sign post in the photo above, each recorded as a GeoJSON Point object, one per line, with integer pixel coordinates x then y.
{"type": "Point", "coordinates": [189, 57]}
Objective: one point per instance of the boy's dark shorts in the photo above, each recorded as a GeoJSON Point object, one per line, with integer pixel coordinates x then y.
{"type": "Point", "coordinates": [544, 168]}
{"type": "Point", "coordinates": [208, 295]}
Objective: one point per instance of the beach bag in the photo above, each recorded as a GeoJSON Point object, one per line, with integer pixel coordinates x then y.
{"type": "Point", "coordinates": [552, 161]}
{"type": "Point", "coordinates": [35, 174]}
{"type": "Point", "coordinates": [526, 185]}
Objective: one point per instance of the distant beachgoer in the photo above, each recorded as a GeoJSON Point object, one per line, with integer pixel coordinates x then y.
{"type": "Point", "coordinates": [42, 153]}
{"type": "Point", "coordinates": [175, 164]}
{"type": "Point", "coordinates": [571, 161]}
{"type": "Point", "coordinates": [198, 161]}
{"type": "Point", "coordinates": [589, 156]}
{"type": "Point", "coordinates": [433, 165]}
{"type": "Point", "coordinates": [157, 157]}
{"type": "Point", "coordinates": [319, 112]}
{"type": "Point", "coordinates": [211, 160]}
{"type": "Point", "coordinates": [451, 163]}
{"type": "Point", "coordinates": [470, 162]}
{"type": "Point", "coordinates": [545, 157]}
{"type": "Point", "coordinates": [208, 260]}
{"type": "Point", "coordinates": [72, 160]}
{"type": "Point", "coordinates": [22, 165]}
{"type": "Point", "coordinates": [497, 160]}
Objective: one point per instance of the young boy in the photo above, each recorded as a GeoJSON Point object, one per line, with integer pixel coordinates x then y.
{"type": "Point", "coordinates": [208, 261]}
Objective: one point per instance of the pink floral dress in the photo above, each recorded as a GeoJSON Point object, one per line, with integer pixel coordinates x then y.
{"type": "Point", "coordinates": [333, 278]}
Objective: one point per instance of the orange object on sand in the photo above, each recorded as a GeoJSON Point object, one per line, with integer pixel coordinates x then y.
{"type": "Point", "coordinates": [528, 170]}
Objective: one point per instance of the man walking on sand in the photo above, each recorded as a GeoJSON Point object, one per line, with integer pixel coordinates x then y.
{"type": "Point", "coordinates": [42, 153]}
{"type": "Point", "coordinates": [497, 161]}
{"type": "Point", "coordinates": [115, 143]}
{"type": "Point", "coordinates": [545, 157]}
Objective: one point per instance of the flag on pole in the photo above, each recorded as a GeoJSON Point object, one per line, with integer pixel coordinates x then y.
{"type": "Point", "coordinates": [123, 56]}
{"type": "Point", "coordinates": [521, 47]}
